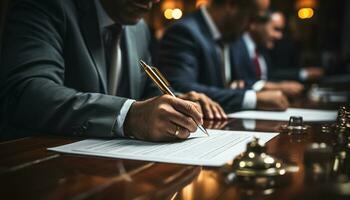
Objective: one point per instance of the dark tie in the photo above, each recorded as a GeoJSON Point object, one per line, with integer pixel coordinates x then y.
{"type": "Point", "coordinates": [257, 65]}
{"type": "Point", "coordinates": [112, 53]}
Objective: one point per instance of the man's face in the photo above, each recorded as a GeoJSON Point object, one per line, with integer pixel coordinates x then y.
{"type": "Point", "coordinates": [267, 34]}
{"type": "Point", "coordinates": [128, 12]}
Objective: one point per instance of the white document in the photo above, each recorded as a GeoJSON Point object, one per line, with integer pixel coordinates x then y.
{"type": "Point", "coordinates": [308, 115]}
{"type": "Point", "coordinates": [216, 150]}
{"type": "Point", "coordinates": [328, 95]}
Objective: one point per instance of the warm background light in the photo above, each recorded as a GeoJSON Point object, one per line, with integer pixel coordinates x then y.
{"type": "Point", "coordinates": [306, 4]}
{"type": "Point", "coordinates": [305, 13]}
{"type": "Point", "coordinates": [177, 13]}
{"type": "Point", "coordinates": [168, 13]}
{"type": "Point", "coordinates": [173, 13]}
{"type": "Point", "coordinates": [202, 3]}
{"type": "Point", "coordinates": [172, 9]}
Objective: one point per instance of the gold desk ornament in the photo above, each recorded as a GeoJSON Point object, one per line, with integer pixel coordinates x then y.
{"type": "Point", "coordinates": [255, 162]}
{"type": "Point", "coordinates": [342, 125]}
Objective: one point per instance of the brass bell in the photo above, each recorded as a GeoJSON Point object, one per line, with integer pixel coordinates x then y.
{"type": "Point", "coordinates": [255, 162]}
{"type": "Point", "coordinates": [295, 126]}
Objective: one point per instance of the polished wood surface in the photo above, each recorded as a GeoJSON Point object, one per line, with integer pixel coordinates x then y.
{"type": "Point", "coordinates": [29, 171]}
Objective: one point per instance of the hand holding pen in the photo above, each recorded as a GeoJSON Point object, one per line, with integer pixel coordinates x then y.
{"type": "Point", "coordinates": [164, 86]}
{"type": "Point", "coordinates": [163, 118]}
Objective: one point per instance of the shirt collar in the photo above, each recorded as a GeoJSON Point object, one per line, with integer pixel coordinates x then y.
{"type": "Point", "coordinates": [103, 18]}
{"type": "Point", "coordinates": [210, 23]}
{"type": "Point", "coordinates": [251, 46]}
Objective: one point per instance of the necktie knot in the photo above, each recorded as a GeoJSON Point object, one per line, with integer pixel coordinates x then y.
{"type": "Point", "coordinates": [257, 52]}
{"type": "Point", "coordinates": [111, 34]}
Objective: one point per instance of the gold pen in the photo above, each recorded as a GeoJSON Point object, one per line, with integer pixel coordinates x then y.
{"type": "Point", "coordinates": [163, 85]}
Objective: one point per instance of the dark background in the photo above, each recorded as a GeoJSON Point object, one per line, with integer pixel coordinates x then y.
{"type": "Point", "coordinates": [322, 40]}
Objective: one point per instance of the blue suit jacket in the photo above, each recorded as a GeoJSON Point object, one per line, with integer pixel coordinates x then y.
{"type": "Point", "coordinates": [242, 65]}
{"type": "Point", "coordinates": [189, 58]}
{"type": "Point", "coordinates": [245, 69]}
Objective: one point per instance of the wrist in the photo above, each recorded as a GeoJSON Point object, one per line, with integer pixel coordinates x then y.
{"type": "Point", "coordinates": [130, 120]}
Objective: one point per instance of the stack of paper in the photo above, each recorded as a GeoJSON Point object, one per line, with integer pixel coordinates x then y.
{"type": "Point", "coordinates": [308, 115]}
{"type": "Point", "coordinates": [215, 150]}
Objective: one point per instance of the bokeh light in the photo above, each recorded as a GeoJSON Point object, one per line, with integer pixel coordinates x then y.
{"type": "Point", "coordinates": [305, 13]}
{"type": "Point", "coordinates": [177, 13]}
{"type": "Point", "coordinates": [168, 13]}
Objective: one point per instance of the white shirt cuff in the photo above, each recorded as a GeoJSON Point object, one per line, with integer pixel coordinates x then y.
{"type": "Point", "coordinates": [259, 85]}
{"type": "Point", "coordinates": [118, 127]}
{"type": "Point", "coordinates": [303, 75]}
{"type": "Point", "coordinates": [249, 100]}
{"type": "Point", "coordinates": [249, 124]}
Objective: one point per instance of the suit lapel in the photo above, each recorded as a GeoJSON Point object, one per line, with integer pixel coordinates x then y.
{"type": "Point", "coordinates": [247, 62]}
{"type": "Point", "coordinates": [265, 54]}
{"type": "Point", "coordinates": [93, 39]}
{"type": "Point", "coordinates": [212, 47]}
{"type": "Point", "coordinates": [132, 61]}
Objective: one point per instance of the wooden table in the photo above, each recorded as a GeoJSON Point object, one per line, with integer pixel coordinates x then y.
{"type": "Point", "coordinates": [29, 171]}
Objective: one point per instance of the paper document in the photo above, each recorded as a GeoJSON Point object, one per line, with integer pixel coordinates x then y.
{"type": "Point", "coordinates": [215, 150]}
{"type": "Point", "coordinates": [308, 115]}
{"type": "Point", "coordinates": [328, 95]}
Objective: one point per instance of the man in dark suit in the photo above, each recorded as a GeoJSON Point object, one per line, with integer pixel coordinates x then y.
{"type": "Point", "coordinates": [253, 61]}
{"type": "Point", "coordinates": [196, 55]}
{"type": "Point", "coordinates": [284, 65]}
{"type": "Point", "coordinates": [71, 67]}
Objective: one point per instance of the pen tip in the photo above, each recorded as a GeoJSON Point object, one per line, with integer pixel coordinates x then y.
{"type": "Point", "coordinates": [204, 130]}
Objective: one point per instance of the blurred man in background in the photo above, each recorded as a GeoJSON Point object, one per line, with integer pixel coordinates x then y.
{"type": "Point", "coordinates": [288, 70]}
{"type": "Point", "coordinates": [251, 60]}
{"type": "Point", "coordinates": [196, 54]}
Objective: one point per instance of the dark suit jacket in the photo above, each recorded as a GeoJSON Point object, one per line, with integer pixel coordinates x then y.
{"type": "Point", "coordinates": [190, 60]}
{"type": "Point", "coordinates": [243, 67]}
{"type": "Point", "coordinates": [53, 71]}
{"type": "Point", "coordinates": [284, 61]}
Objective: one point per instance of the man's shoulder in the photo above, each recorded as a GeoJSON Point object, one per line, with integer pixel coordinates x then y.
{"type": "Point", "coordinates": [50, 7]}
{"type": "Point", "coordinates": [38, 3]}
{"type": "Point", "coordinates": [191, 22]}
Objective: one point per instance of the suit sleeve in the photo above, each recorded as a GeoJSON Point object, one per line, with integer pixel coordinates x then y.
{"type": "Point", "coordinates": [33, 73]}
{"type": "Point", "coordinates": [179, 60]}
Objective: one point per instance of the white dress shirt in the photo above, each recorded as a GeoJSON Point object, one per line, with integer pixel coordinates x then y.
{"type": "Point", "coordinates": [104, 22]}
{"type": "Point", "coordinates": [249, 99]}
